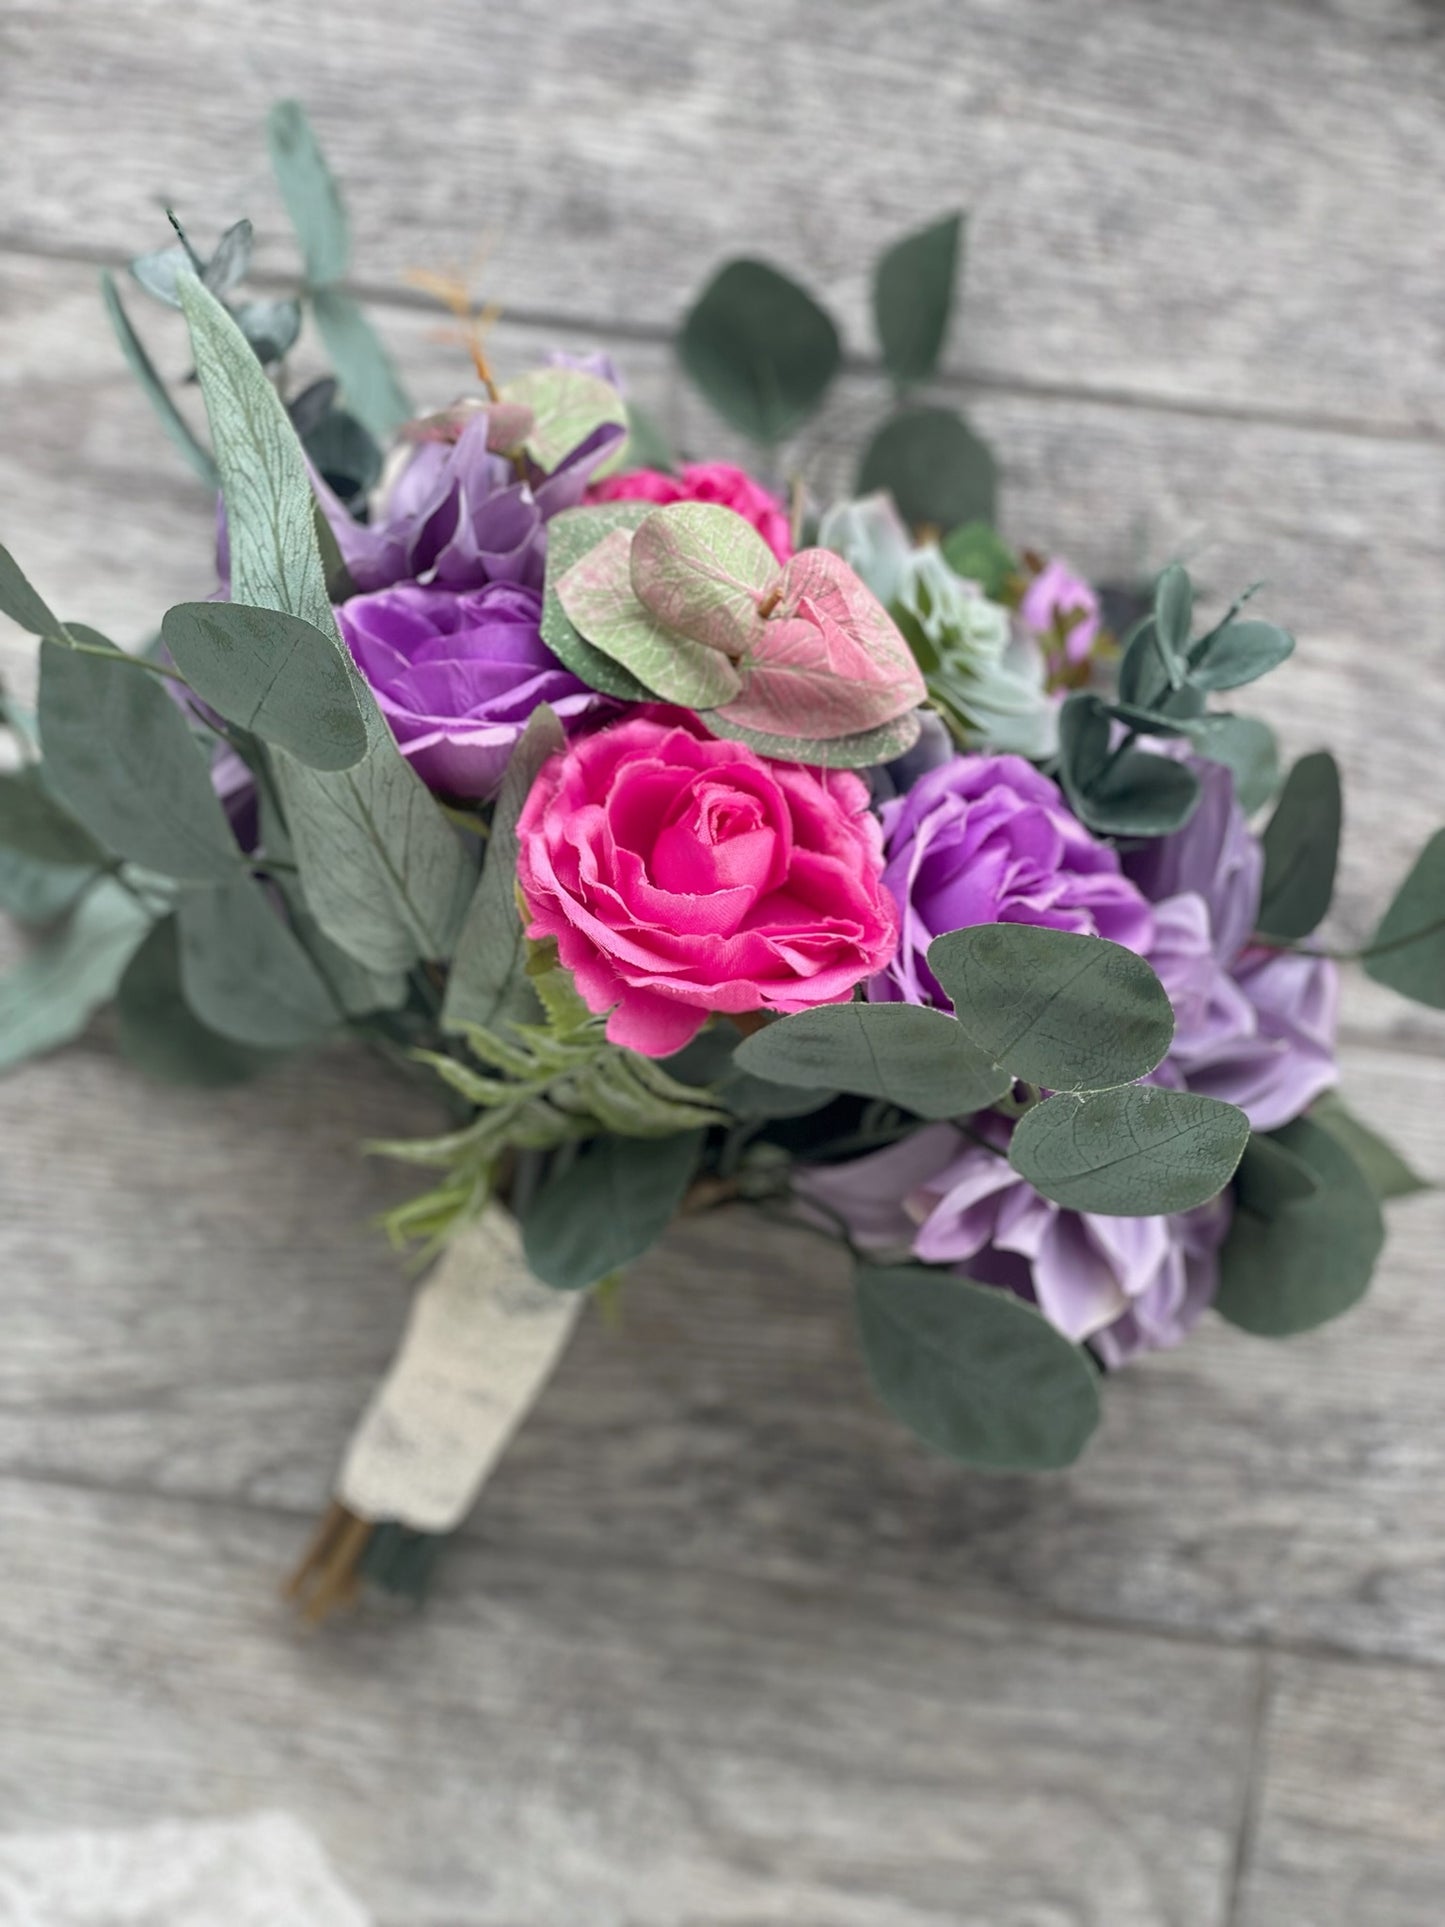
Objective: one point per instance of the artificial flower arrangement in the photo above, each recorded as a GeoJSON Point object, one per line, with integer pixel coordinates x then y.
{"type": "Point", "coordinates": [704, 847]}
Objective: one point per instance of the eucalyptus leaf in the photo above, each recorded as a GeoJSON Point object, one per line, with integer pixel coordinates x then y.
{"type": "Point", "coordinates": [37, 893]}
{"type": "Point", "coordinates": [1173, 618]}
{"type": "Point", "coordinates": [311, 195]}
{"type": "Point", "coordinates": [346, 455]}
{"type": "Point", "coordinates": [567, 406]}
{"type": "Point", "coordinates": [231, 259]}
{"type": "Point", "coordinates": [383, 872]}
{"type": "Point", "coordinates": [369, 383]}
{"type": "Point", "coordinates": [863, 751]}
{"type": "Point", "coordinates": [1386, 1172]}
{"type": "Point", "coordinates": [913, 286]}
{"type": "Point", "coordinates": [916, 1058]}
{"type": "Point", "coordinates": [702, 570]}
{"type": "Point", "coordinates": [33, 824]}
{"type": "Point", "coordinates": [120, 758]}
{"type": "Point", "coordinates": [160, 1034]}
{"type": "Point", "coordinates": [973, 1371]}
{"type": "Point", "coordinates": [273, 674]}
{"type": "Point", "coordinates": [1139, 794]}
{"type": "Point", "coordinates": [156, 392]}
{"type": "Point", "coordinates": [608, 1207]}
{"type": "Point", "coordinates": [936, 469]}
{"type": "Point", "coordinates": [647, 445]}
{"type": "Point", "coordinates": [1143, 675]}
{"type": "Point", "coordinates": [979, 554]}
{"type": "Point", "coordinates": [49, 998]}
{"type": "Point", "coordinates": [1135, 1152]}
{"type": "Point", "coordinates": [271, 326]}
{"type": "Point", "coordinates": [1247, 748]}
{"type": "Point", "coordinates": [1301, 849]}
{"type": "Point", "coordinates": [1270, 1177]}
{"type": "Point", "coordinates": [760, 349]}
{"type": "Point", "coordinates": [570, 536]}
{"type": "Point", "coordinates": [21, 603]}
{"type": "Point", "coordinates": [487, 985]}
{"type": "Point", "coordinates": [1308, 1260]}
{"type": "Point", "coordinates": [1084, 739]}
{"type": "Point", "coordinates": [1063, 1011]}
{"type": "Point", "coordinates": [243, 972]}
{"type": "Point", "coordinates": [598, 599]}
{"type": "Point", "coordinates": [158, 271]}
{"type": "Point", "coordinates": [1407, 951]}
{"type": "Point", "coordinates": [1238, 653]}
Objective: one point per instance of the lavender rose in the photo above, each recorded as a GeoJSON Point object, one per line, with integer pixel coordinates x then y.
{"type": "Point", "coordinates": [457, 676]}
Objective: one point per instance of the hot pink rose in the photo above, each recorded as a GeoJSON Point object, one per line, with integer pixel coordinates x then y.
{"type": "Point", "coordinates": [716, 482]}
{"type": "Point", "coordinates": [682, 875]}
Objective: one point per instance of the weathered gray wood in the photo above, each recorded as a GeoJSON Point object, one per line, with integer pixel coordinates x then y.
{"type": "Point", "coordinates": [1351, 1823]}
{"type": "Point", "coordinates": [1234, 205]}
{"type": "Point", "coordinates": [195, 1305]}
{"type": "Point", "coordinates": [1350, 533]}
{"type": "Point", "coordinates": [552, 1742]}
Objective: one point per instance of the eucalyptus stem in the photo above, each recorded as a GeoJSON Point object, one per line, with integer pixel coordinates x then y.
{"type": "Point", "coordinates": [1366, 951]}
{"type": "Point", "coordinates": [121, 655]}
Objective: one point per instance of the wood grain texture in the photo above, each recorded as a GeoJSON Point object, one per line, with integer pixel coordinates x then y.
{"type": "Point", "coordinates": [1231, 206]}
{"type": "Point", "coordinates": [552, 1743]}
{"type": "Point", "coordinates": [1351, 1823]}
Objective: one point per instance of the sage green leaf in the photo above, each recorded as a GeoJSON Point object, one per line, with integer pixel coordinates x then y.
{"type": "Point", "coordinates": [1301, 849]}
{"type": "Point", "coordinates": [1173, 618]}
{"type": "Point", "coordinates": [156, 392]}
{"type": "Point", "coordinates": [383, 872]}
{"type": "Point", "coordinates": [598, 599]}
{"type": "Point", "coordinates": [160, 1034]}
{"type": "Point", "coordinates": [1407, 952]}
{"type": "Point", "coordinates": [863, 751]}
{"type": "Point", "coordinates": [760, 349]}
{"type": "Point", "coordinates": [1247, 748]}
{"type": "Point", "coordinates": [973, 1371]}
{"type": "Point", "coordinates": [979, 554]}
{"type": "Point", "coordinates": [1135, 1152]}
{"type": "Point", "coordinates": [1385, 1171]}
{"type": "Point", "coordinates": [359, 991]}
{"type": "Point", "coordinates": [647, 445]}
{"type": "Point", "coordinates": [1139, 794]}
{"type": "Point", "coordinates": [710, 1060]}
{"type": "Point", "coordinates": [1310, 1259]}
{"type": "Point", "coordinates": [369, 382]}
{"type": "Point", "coordinates": [310, 192]}
{"type": "Point", "coordinates": [916, 1058]}
{"type": "Point", "coordinates": [1270, 1177]}
{"type": "Point", "coordinates": [271, 326]}
{"type": "Point", "coordinates": [1084, 737]}
{"type": "Point", "coordinates": [1238, 653]}
{"type": "Point", "coordinates": [487, 985]}
{"type": "Point", "coordinates": [913, 287]}
{"type": "Point", "coordinates": [232, 257]}
{"type": "Point", "coordinates": [243, 972]}
{"type": "Point", "coordinates": [21, 603]}
{"type": "Point", "coordinates": [34, 824]}
{"type": "Point", "coordinates": [570, 536]}
{"type": "Point", "coordinates": [158, 271]}
{"type": "Point", "coordinates": [1143, 675]}
{"type": "Point", "coordinates": [38, 893]}
{"type": "Point", "coordinates": [933, 465]}
{"type": "Point", "coordinates": [347, 457]}
{"type": "Point", "coordinates": [50, 998]}
{"type": "Point", "coordinates": [567, 405]}
{"type": "Point", "coordinates": [120, 757]}
{"type": "Point", "coordinates": [273, 674]}
{"type": "Point", "coordinates": [702, 570]}
{"type": "Point", "coordinates": [1066, 1012]}
{"type": "Point", "coordinates": [607, 1207]}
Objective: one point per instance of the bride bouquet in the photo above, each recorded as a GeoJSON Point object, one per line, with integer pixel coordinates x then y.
{"type": "Point", "coordinates": [704, 844]}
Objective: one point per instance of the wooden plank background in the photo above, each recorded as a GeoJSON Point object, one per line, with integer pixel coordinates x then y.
{"type": "Point", "coordinates": [722, 1645]}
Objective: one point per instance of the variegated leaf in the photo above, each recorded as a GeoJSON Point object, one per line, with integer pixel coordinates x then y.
{"type": "Point", "coordinates": [567, 406]}
{"type": "Point", "coordinates": [704, 571]}
{"type": "Point", "coordinates": [597, 597]}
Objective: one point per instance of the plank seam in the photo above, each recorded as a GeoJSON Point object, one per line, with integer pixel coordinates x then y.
{"type": "Point", "coordinates": [1251, 1797]}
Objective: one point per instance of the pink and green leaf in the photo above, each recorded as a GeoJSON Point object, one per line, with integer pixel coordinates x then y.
{"type": "Point", "coordinates": [704, 571]}
{"type": "Point", "coordinates": [597, 598]}
{"type": "Point", "coordinates": [567, 406]}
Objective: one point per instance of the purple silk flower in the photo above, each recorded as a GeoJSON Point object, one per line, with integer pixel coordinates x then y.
{"type": "Point", "coordinates": [457, 676]}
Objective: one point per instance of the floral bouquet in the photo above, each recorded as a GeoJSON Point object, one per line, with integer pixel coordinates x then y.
{"type": "Point", "coordinates": [704, 845]}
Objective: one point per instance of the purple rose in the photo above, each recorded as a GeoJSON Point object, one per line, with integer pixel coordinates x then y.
{"type": "Point", "coordinates": [1124, 1285]}
{"type": "Point", "coordinates": [459, 516]}
{"type": "Point", "coordinates": [987, 839]}
{"type": "Point", "coordinates": [457, 676]}
{"type": "Point", "coordinates": [1061, 607]}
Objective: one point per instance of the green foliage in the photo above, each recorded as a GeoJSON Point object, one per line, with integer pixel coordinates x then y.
{"type": "Point", "coordinates": [21, 603]}
{"type": "Point", "coordinates": [49, 998]}
{"type": "Point", "coordinates": [973, 1371]}
{"type": "Point", "coordinates": [1248, 749]}
{"type": "Point", "coordinates": [34, 825]}
{"type": "Point", "coordinates": [702, 570]}
{"type": "Point", "coordinates": [606, 1206]}
{"type": "Point", "coordinates": [1270, 1177]}
{"type": "Point", "coordinates": [1137, 793]}
{"type": "Point", "coordinates": [1296, 1263]}
{"type": "Point", "coordinates": [370, 384]}
{"type": "Point", "coordinates": [567, 407]}
{"type": "Point", "coordinates": [244, 973]}
{"type": "Point", "coordinates": [273, 674]}
{"type": "Point", "coordinates": [933, 465]}
{"type": "Point", "coordinates": [38, 893]}
{"type": "Point", "coordinates": [487, 986]}
{"type": "Point", "coordinates": [979, 554]}
{"type": "Point", "coordinates": [1134, 1152]}
{"type": "Point", "coordinates": [760, 349]}
{"type": "Point", "coordinates": [1385, 1171]}
{"type": "Point", "coordinates": [919, 1059]}
{"type": "Point", "coordinates": [120, 757]}
{"type": "Point", "coordinates": [1173, 617]}
{"type": "Point", "coordinates": [1407, 952]}
{"type": "Point", "coordinates": [309, 190]}
{"type": "Point", "coordinates": [647, 445]}
{"type": "Point", "coordinates": [597, 596]}
{"type": "Point", "coordinates": [1301, 849]}
{"type": "Point", "coordinates": [1065, 1012]}
{"type": "Point", "coordinates": [154, 389]}
{"type": "Point", "coordinates": [1238, 653]}
{"type": "Point", "coordinates": [861, 751]}
{"type": "Point", "coordinates": [913, 288]}
{"type": "Point", "coordinates": [160, 1034]}
{"type": "Point", "coordinates": [570, 536]}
